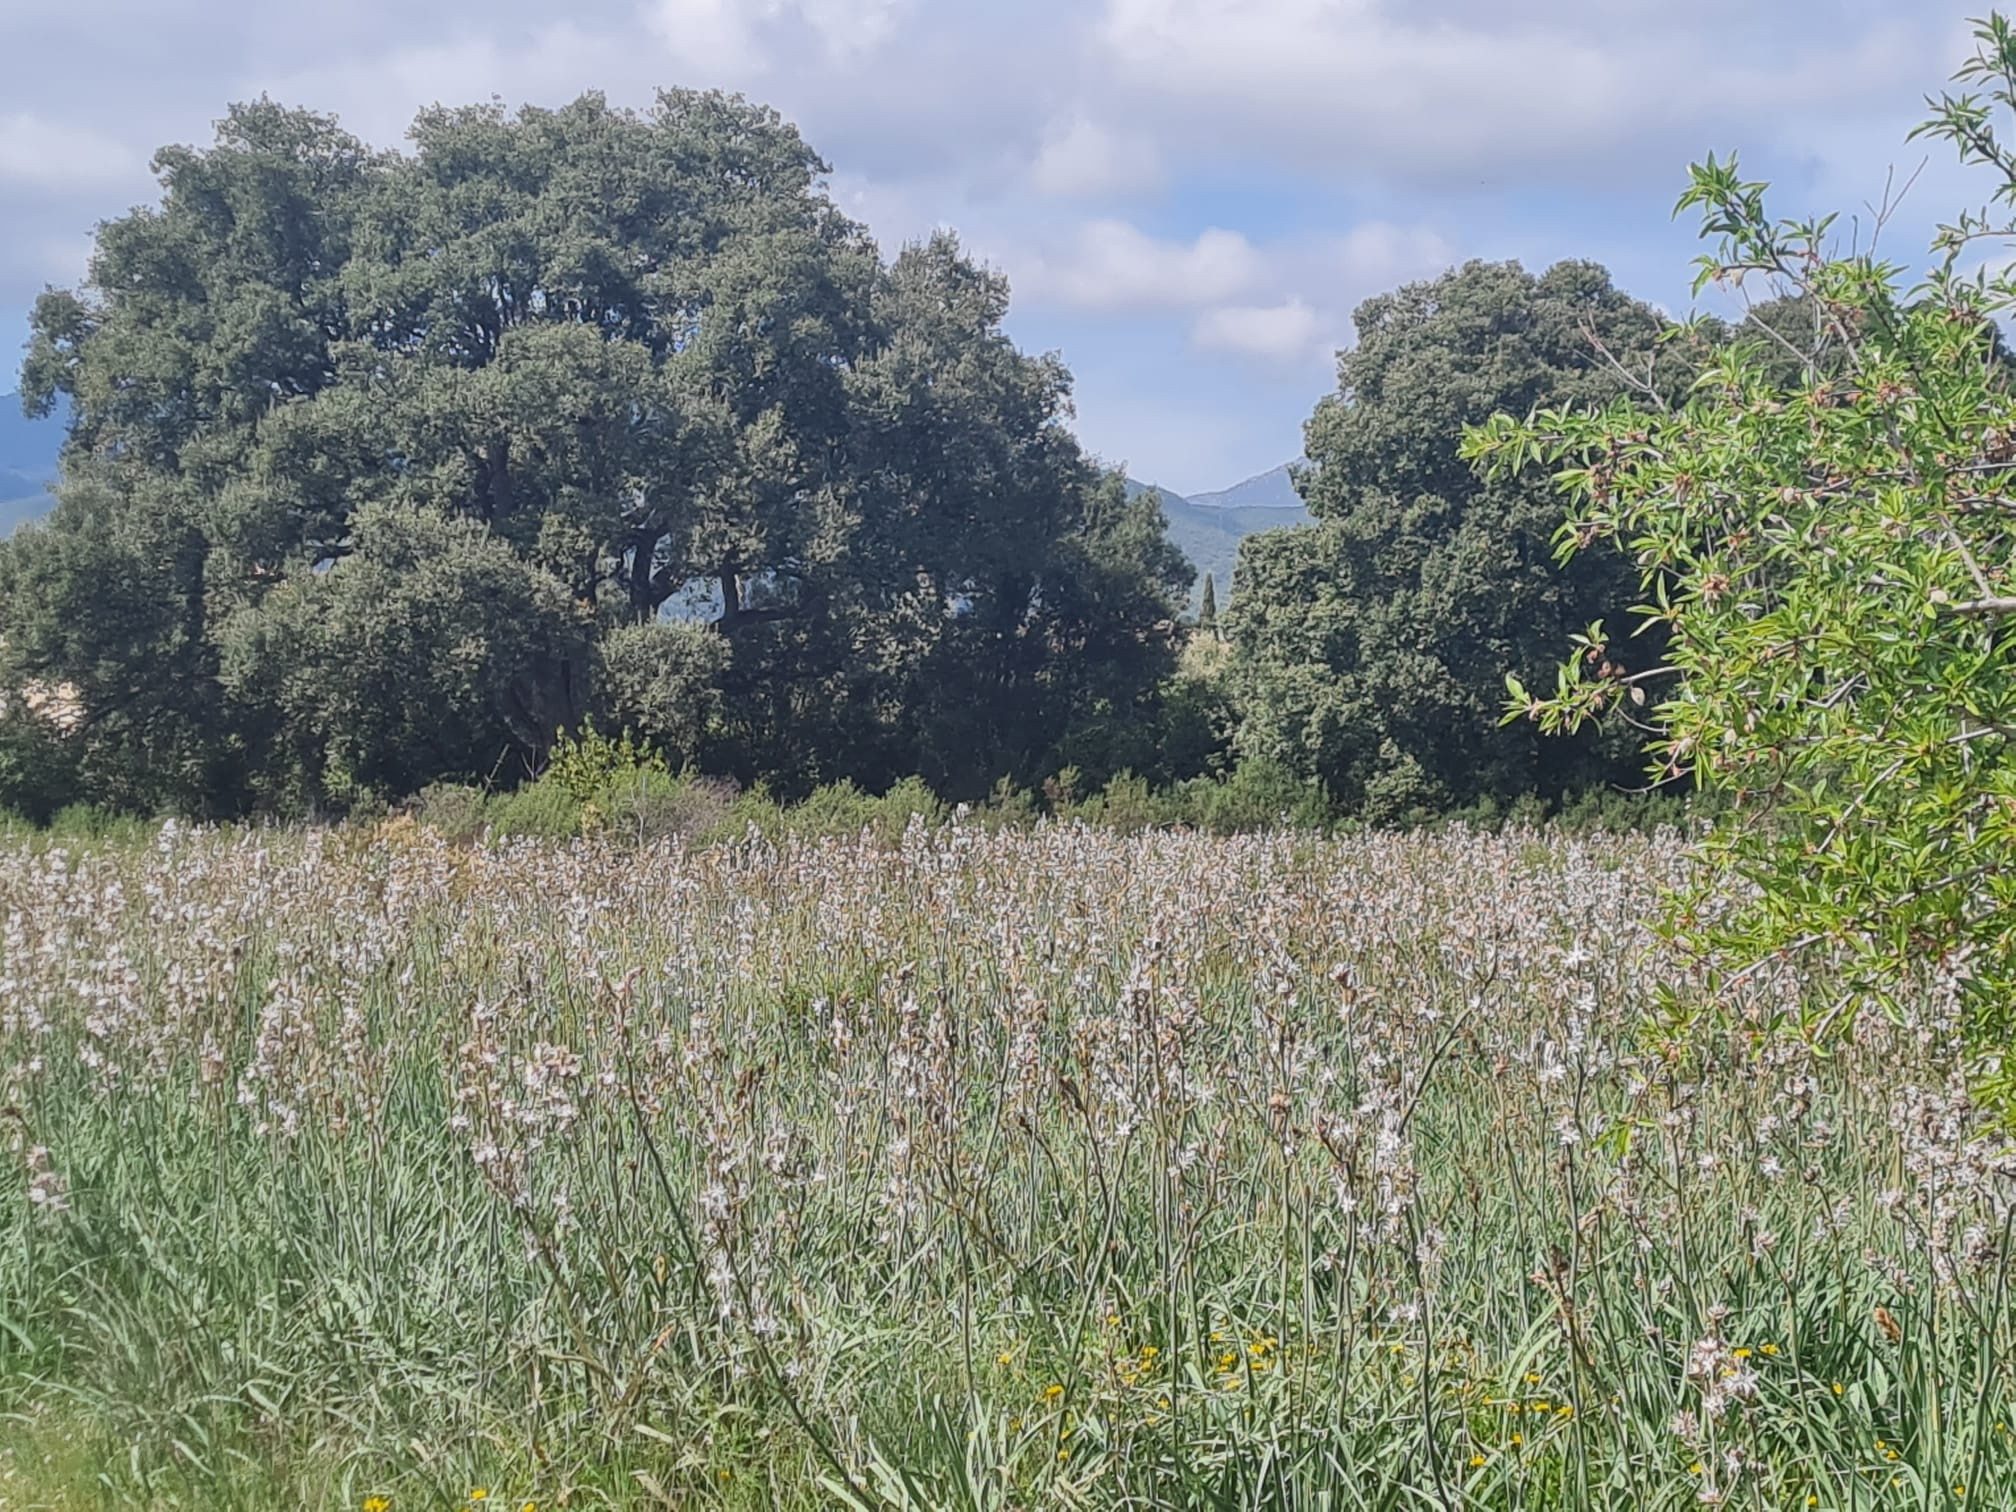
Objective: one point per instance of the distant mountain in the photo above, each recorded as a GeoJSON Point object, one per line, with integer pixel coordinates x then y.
{"type": "Point", "coordinates": [1271, 490]}
{"type": "Point", "coordinates": [1209, 532]}
{"type": "Point", "coordinates": [28, 450]}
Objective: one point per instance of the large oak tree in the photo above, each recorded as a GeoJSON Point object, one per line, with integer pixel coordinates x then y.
{"type": "Point", "coordinates": [332, 408]}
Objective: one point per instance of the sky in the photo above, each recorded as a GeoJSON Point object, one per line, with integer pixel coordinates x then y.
{"type": "Point", "coordinates": [1189, 197]}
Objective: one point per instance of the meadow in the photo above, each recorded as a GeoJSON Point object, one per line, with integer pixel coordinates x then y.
{"type": "Point", "coordinates": [1018, 1168]}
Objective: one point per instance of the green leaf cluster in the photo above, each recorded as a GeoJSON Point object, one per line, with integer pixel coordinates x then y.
{"type": "Point", "coordinates": [1825, 540]}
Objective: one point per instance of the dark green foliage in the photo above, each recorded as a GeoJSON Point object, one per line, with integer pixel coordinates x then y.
{"type": "Point", "coordinates": [1373, 645]}
{"type": "Point", "coordinates": [38, 766]}
{"type": "Point", "coordinates": [117, 603]}
{"type": "Point", "coordinates": [663, 680]}
{"type": "Point", "coordinates": [382, 469]}
{"type": "Point", "coordinates": [539, 810]}
{"type": "Point", "coordinates": [431, 649]}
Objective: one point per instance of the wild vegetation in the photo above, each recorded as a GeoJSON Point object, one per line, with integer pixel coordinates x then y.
{"type": "Point", "coordinates": [944, 1052]}
{"type": "Point", "coordinates": [1009, 1169]}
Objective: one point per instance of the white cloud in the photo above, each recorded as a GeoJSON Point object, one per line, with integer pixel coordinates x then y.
{"type": "Point", "coordinates": [1282, 302]}
{"type": "Point", "coordinates": [1111, 265]}
{"type": "Point", "coordinates": [1285, 333]}
{"type": "Point", "coordinates": [39, 153]}
{"type": "Point", "coordinates": [744, 36]}
{"type": "Point", "coordinates": [1379, 253]}
{"type": "Point", "coordinates": [377, 97]}
{"type": "Point", "coordinates": [1082, 159]}
{"type": "Point", "coordinates": [1387, 89]}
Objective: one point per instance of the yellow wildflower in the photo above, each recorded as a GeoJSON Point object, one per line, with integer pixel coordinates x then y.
{"type": "Point", "coordinates": [377, 1504]}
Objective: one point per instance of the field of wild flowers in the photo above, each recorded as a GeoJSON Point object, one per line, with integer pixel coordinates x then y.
{"type": "Point", "coordinates": [1027, 1169]}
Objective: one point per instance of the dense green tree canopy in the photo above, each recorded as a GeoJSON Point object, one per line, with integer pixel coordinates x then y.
{"type": "Point", "coordinates": [589, 367]}
{"type": "Point", "coordinates": [1373, 645]}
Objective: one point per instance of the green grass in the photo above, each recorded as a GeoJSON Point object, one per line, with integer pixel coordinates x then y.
{"type": "Point", "coordinates": [963, 1170]}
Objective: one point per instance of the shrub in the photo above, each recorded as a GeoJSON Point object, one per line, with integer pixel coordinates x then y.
{"type": "Point", "coordinates": [93, 822]}
{"type": "Point", "coordinates": [650, 807]}
{"type": "Point", "coordinates": [545, 809]}
{"type": "Point", "coordinates": [1258, 795]}
{"type": "Point", "coordinates": [1009, 807]}
{"type": "Point", "coordinates": [38, 765]}
{"type": "Point", "coordinates": [1126, 804]}
{"type": "Point", "coordinates": [454, 811]}
{"type": "Point", "coordinates": [588, 762]}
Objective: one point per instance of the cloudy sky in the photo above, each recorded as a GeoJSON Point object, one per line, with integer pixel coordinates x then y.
{"type": "Point", "coordinates": [1189, 196]}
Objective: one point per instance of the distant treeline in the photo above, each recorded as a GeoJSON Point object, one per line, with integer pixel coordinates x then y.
{"type": "Point", "coordinates": [385, 470]}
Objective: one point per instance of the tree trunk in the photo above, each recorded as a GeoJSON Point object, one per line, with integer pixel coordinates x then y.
{"type": "Point", "coordinates": [497, 479]}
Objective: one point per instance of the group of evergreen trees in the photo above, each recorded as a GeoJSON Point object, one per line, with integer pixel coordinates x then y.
{"type": "Point", "coordinates": [384, 468]}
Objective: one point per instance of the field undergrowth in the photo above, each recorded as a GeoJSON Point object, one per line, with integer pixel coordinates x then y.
{"type": "Point", "coordinates": [1026, 1169]}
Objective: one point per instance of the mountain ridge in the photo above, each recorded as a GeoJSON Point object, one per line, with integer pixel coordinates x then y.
{"type": "Point", "coordinates": [1272, 489]}
{"type": "Point", "coordinates": [1209, 527]}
